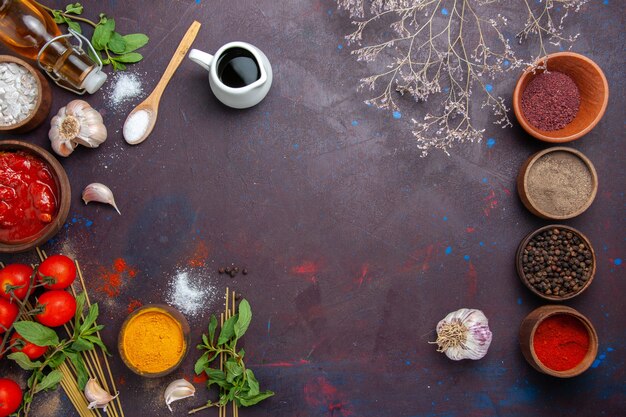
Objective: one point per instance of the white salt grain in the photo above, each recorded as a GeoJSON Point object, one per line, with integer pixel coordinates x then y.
{"type": "Point", "coordinates": [136, 126]}
{"type": "Point", "coordinates": [189, 295]}
{"type": "Point", "coordinates": [125, 87]}
{"type": "Point", "coordinates": [18, 93]}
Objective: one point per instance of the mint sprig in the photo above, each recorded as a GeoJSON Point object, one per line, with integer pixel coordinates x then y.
{"type": "Point", "coordinates": [236, 382]}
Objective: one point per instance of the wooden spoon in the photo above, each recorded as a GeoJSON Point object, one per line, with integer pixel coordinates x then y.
{"type": "Point", "coordinates": [151, 104]}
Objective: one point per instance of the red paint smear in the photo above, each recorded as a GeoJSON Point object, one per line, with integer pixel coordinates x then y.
{"type": "Point", "coordinates": [285, 364]}
{"type": "Point", "coordinates": [470, 230]}
{"type": "Point", "coordinates": [306, 267]}
{"type": "Point", "coordinates": [420, 259]}
{"type": "Point", "coordinates": [472, 277]}
{"type": "Point", "coordinates": [506, 191]}
{"type": "Point", "coordinates": [200, 379]}
{"type": "Point", "coordinates": [200, 255]}
{"type": "Point", "coordinates": [133, 305]}
{"type": "Point", "coordinates": [321, 393]}
{"type": "Point", "coordinates": [121, 381]}
{"type": "Point", "coordinates": [361, 278]}
{"type": "Point", "coordinates": [492, 203]}
{"type": "Point", "coordinates": [112, 279]}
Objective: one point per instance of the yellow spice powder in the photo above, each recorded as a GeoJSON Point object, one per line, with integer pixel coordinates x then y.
{"type": "Point", "coordinates": [153, 341]}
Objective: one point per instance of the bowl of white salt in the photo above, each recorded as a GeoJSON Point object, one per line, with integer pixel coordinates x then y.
{"type": "Point", "coordinates": [25, 96]}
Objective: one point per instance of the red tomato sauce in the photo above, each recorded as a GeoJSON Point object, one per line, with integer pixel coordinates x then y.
{"type": "Point", "coordinates": [28, 196]}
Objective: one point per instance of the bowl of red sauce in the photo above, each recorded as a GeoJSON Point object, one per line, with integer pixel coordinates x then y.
{"type": "Point", "coordinates": [35, 196]}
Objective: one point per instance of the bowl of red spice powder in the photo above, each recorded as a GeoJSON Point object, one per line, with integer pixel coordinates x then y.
{"type": "Point", "coordinates": [558, 341]}
{"type": "Point", "coordinates": [561, 97]}
{"type": "Point", "coordinates": [35, 196]}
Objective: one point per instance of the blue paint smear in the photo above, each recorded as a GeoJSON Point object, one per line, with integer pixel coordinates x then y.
{"type": "Point", "coordinates": [485, 180]}
{"type": "Point", "coordinates": [519, 301]}
{"type": "Point", "coordinates": [397, 114]}
{"type": "Point", "coordinates": [444, 11]}
{"type": "Point", "coordinates": [355, 123]}
{"type": "Point", "coordinates": [448, 250]}
{"type": "Point", "coordinates": [506, 63]}
{"type": "Point", "coordinates": [489, 88]}
{"type": "Point", "coordinates": [340, 46]}
{"type": "Point", "coordinates": [491, 142]}
{"type": "Point", "coordinates": [466, 257]}
{"type": "Point", "coordinates": [296, 146]}
{"type": "Point", "coordinates": [88, 223]}
{"type": "Point", "coordinates": [329, 12]}
{"type": "Point", "coordinates": [605, 2]}
{"type": "Point", "coordinates": [481, 243]}
{"type": "Point", "coordinates": [617, 261]}
{"type": "Point", "coordinates": [446, 89]}
{"type": "Point", "coordinates": [445, 218]}
{"type": "Point", "coordinates": [407, 363]}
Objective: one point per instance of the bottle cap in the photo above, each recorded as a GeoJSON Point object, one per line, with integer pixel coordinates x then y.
{"type": "Point", "coordinates": [94, 80]}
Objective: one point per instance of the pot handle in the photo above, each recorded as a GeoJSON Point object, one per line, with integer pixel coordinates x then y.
{"type": "Point", "coordinates": [201, 58]}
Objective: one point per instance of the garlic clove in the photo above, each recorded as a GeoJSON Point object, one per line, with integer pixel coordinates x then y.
{"type": "Point", "coordinates": [100, 193]}
{"type": "Point", "coordinates": [97, 396]}
{"type": "Point", "coordinates": [177, 390]}
{"type": "Point", "coordinates": [76, 123]}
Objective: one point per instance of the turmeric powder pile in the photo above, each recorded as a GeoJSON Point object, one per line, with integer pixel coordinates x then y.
{"type": "Point", "coordinates": [153, 341]}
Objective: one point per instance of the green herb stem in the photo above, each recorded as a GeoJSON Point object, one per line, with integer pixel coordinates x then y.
{"type": "Point", "coordinates": [69, 16]}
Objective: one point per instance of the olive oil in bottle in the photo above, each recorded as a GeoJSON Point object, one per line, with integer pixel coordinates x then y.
{"type": "Point", "coordinates": [27, 29]}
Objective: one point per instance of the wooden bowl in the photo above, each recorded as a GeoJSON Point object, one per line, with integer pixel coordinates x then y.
{"type": "Point", "coordinates": [44, 100]}
{"type": "Point", "coordinates": [594, 95]}
{"type": "Point", "coordinates": [64, 197]}
{"type": "Point", "coordinates": [171, 313]}
{"type": "Point", "coordinates": [527, 333]}
{"type": "Point", "coordinates": [523, 186]}
{"type": "Point", "coordinates": [520, 254]}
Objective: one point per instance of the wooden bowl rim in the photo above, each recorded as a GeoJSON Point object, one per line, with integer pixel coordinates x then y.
{"type": "Point", "coordinates": [172, 312]}
{"type": "Point", "coordinates": [31, 69]}
{"type": "Point", "coordinates": [65, 197]}
{"type": "Point", "coordinates": [517, 97]}
{"type": "Point", "coordinates": [552, 310]}
{"type": "Point", "coordinates": [594, 179]}
{"type": "Point", "coordinates": [520, 272]}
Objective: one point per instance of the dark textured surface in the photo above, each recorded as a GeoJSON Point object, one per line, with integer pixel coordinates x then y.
{"type": "Point", "coordinates": [356, 246]}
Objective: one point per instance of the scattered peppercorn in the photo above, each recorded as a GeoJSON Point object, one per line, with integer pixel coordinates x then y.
{"type": "Point", "coordinates": [221, 270]}
{"type": "Point", "coordinates": [232, 270]}
{"type": "Point", "coordinates": [244, 271]}
{"type": "Point", "coordinates": [557, 262]}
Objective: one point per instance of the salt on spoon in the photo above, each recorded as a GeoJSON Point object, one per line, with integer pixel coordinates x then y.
{"type": "Point", "coordinates": [141, 120]}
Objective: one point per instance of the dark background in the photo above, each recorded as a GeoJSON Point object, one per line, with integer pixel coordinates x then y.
{"type": "Point", "coordinates": [343, 226]}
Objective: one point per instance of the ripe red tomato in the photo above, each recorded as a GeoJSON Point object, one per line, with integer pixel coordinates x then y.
{"type": "Point", "coordinates": [10, 397]}
{"type": "Point", "coordinates": [59, 308]}
{"type": "Point", "coordinates": [15, 275]}
{"type": "Point", "coordinates": [31, 350]}
{"type": "Point", "coordinates": [60, 268]}
{"type": "Point", "coordinates": [8, 314]}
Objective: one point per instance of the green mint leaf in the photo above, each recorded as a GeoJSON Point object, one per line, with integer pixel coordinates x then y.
{"type": "Point", "coordinates": [201, 363]}
{"type": "Point", "coordinates": [73, 25]}
{"type": "Point", "coordinates": [80, 304]}
{"type": "Point", "coordinates": [117, 66]}
{"type": "Point", "coordinates": [253, 384]}
{"type": "Point", "coordinates": [37, 333]}
{"type": "Point", "coordinates": [23, 361]}
{"type": "Point", "coordinates": [56, 360]}
{"type": "Point", "coordinates": [129, 58]}
{"type": "Point", "coordinates": [241, 353]}
{"type": "Point", "coordinates": [252, 400]}
{"type": "Point", "coordinates": [228, 330]}
{"type": "Point", "coordinates": [75, 8]}
{"type": "Point", "coordinates": [57, 16]}
{"type": "Point", "coordinates": [245, 316]}
{"type": "Point", "coordinates": [102, 33]}
{"type": "Point", "coordinates": [135, 41]}
{"type": "Point", "coordinates": [232, 371]}
{"type": "Point", "coordinates": [117, 43]}
{"type": "Point", "coordinates": [91, 318]}
{"type": "Point", "coordinates": [97, 341]}
{"type": "Point", "coordinates": [81, 371]}
{"type": "Point", "coordinates": [81, 345]}
{"type": "Point", "coordinates": [212, 328]}
{"type": "Point", "coordinates": [50, 381]}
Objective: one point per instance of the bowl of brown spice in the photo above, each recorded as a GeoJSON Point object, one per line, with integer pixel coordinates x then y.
{"type": "Point", "coordinates": [561, 97]}
{"type": "Point", "coordinates": [556, 262]}
{"type": "Point", "coordinates": [557, 183]}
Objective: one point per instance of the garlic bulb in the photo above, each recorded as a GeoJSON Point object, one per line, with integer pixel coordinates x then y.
{"type": "Point", "coordinates": [100, 193]}
{"type": "Point", "coordinates": [464, 334]}
{"type": "Point", "coordinates": [177, 390]}
{"type": "Point", "coordinates": [97, 397]}
{"type": "Point", "coordinates": [76, 123]}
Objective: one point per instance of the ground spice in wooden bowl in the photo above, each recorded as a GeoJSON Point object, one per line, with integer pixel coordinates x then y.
{"type": "Point", "coordinates": [558, 341]}
{"type": "Point", "coordinates": [557, 183]}
{"type": "Point", "coordinates": [556, 262]}
{"type": "Point", "coordinates": [551, 101]}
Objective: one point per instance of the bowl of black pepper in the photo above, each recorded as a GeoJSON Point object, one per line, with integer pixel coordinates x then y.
{"type": "Point", "coordinates": [556, 262]}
